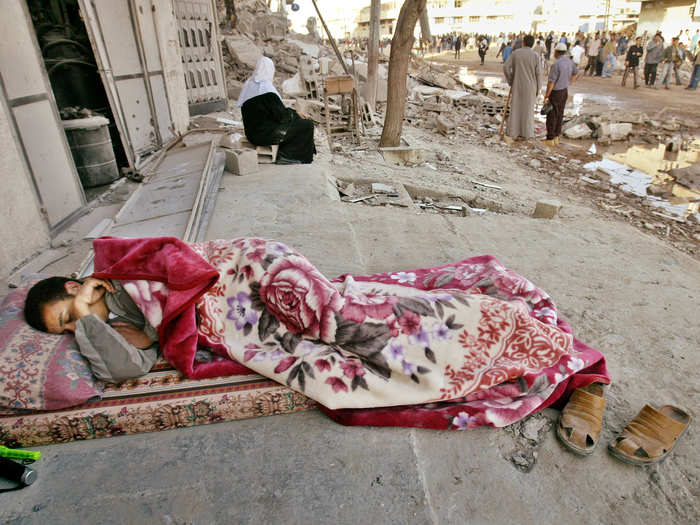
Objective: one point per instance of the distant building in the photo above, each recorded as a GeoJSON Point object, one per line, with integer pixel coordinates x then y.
{"type": "Point", "coordinates": [350, 18]}
{"type": "Point", "coordinates": [669, 16]}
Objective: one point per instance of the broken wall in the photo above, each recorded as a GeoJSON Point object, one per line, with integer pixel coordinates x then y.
{"type": "Point", "coordinates": [23, 230]}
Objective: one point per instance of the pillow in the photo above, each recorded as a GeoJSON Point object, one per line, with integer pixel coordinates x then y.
{"type": "Point", "coordinates": [39, 371]}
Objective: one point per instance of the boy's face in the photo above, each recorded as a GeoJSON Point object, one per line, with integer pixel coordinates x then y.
{"type": "Point", "coordinates": [60, 316]}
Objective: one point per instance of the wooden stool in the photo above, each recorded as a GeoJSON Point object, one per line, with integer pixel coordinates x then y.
{"type": "Point", "coordinates": [342, 85]}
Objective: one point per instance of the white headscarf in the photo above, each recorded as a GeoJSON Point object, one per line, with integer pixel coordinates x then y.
{"type": "Point", "coordinates": [261, 81]}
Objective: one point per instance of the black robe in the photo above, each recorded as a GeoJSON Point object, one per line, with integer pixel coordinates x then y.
{"type": "Point", "coordinates": [267, 121]}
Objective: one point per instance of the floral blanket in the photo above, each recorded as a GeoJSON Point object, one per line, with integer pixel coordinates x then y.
{"type": "Point", "coordinates": [455, 346]}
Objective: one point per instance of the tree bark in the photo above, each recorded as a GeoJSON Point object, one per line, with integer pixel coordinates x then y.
{"type": "Point", "coordinates": [373, 52]}
{"type": "Point", "coordinates": [401, 46]}
{"type": "Point", "coordinates": [425, 26]}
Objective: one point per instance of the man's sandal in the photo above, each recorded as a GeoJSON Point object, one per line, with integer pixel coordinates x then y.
{"type": "Point", "coordinates": [650, 436]}
{"type": "Point", "coordinates": [581, 420]}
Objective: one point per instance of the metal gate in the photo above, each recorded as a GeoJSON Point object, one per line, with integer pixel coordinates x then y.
{"type": "Point", "coordinates": [201, 55]}
{"type": "Point", "coordinates": [124, 36]}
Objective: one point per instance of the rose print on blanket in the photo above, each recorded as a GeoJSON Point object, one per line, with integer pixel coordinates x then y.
{"type": "Point", "coordinates": [301, 298]}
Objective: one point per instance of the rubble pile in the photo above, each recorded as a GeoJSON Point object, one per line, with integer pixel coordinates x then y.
{"type": "Point", "coordinates": [615, 125]}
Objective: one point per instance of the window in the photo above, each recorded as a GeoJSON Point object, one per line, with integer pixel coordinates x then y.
{"type": "Point", "coordinates": [458, 20]}
{"type": "Point", "coordinates": [474, 18]}
{"type": "Point", "coordinates": [450, 20]}
{"type": "Point", "coordinates": [439, 20]}
{"type": "Point", "coordinates": [458, 3]}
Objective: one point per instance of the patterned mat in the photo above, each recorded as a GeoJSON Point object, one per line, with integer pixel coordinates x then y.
{"type": "Point", "coordinates": [161, 400]}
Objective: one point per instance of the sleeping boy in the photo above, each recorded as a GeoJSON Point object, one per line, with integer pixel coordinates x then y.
{"type": "Point", "coordinates": [110, 330]}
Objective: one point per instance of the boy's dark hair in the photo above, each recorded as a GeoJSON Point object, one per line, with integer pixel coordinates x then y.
{"type": "Point", "coordinates": [41, 294]}
{"type": "Point", "coordinates": [529, 40]}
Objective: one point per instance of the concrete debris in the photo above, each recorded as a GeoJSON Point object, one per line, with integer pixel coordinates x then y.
{"type": "Point", "coordinates": [378, 187]}
{"type": "Point", "coordinates": [614, 131]}
{"type": "Point", "coordinates": [546, 209]}
{"type": "Point", "coordinates": [432, 76]}
{"type": "Point", "coordinates": [402, 155]}
{"type": "Point", "coordinates": [532, 427]}
{"type": "Point", "coordinates": [241, 161]}
{"type": "Point", "coordinates": [445, 125]}
{"type": "Point", "coordinates": [535, 164]}
{"type": "Point", "coordinates": [579, 131]}
{"type": "Point", "coordinates": [231, 141]}
{"type": "Point", "coordinates": [243, 50]}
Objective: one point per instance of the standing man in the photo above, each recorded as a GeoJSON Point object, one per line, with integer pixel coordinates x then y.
{"type": "Point", "coordinates": [576, 53]}
{"type": "Point", "coordinates": [483, 47]}
{"type": "Point", "coordinates": [695, 77]}
{"type": "Point", "coordinates": [634, 53]}
{"type": "Point", "coordinates": [592, 53]}
{"type": "Point", "coordinates": [522, 72]}
{"type": "Point", "coordinates": [507, 51]}
{"type": "Point", "coordinates": [458, 46]}
{"type": "Point", "coordinates": [670, 57]}
{"type": "Point", "coordinates": [562, 73]}
{"type": "Point", "coordinates": [655, 52]}
{"type": "Point", "coordinates": [548, 44]}
{"type": "Point", "coordinates": [609, 53]}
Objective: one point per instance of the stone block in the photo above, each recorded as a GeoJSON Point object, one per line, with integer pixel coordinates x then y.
{"type": "Point", "coordinates": [243, 50]}
{"type": "Point", "coordinates": [579, 131]}
{"type": "Point", "coordinates": [546, 209]}
{"type": "Point", "coordinates": [402, 155]}
{"type": "Point", "coordinates": [241, 161]}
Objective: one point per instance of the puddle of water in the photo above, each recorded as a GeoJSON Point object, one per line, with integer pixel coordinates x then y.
{"type": "Point", "coordinates": [637, 168]}
{"type": "Point", "coordinates": [581, 100]}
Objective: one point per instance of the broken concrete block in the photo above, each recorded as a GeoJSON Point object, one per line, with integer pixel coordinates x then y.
{"type": "Point", "coordinates": [292, 87]}
{"type": "Point", "coordinates": [243, 50]}
{"type": "Point", "coordinates": [546, 209]}
{"type": "Point", "coordinates": [231, 141]}
{"type": "Point", "coordinates": [579, 131]}
{"type": "Point", "coordinates": [535, 164]}
{"type": "Point", "coordinates": [614, 131]}
{"type": "Point", "coordinates": [378, 187]}
{"type": "Point", "coordinates": [402, 155]}
{"type": "Point", "coordinates": [241, 161]}
{"type": "Point", "coordinates": [444, 125]}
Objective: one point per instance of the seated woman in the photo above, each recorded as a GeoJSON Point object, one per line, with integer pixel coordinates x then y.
{"type": "Point", "coordinates": [109, 328]}
{"type": "Point", "coordinates": [267, 121]}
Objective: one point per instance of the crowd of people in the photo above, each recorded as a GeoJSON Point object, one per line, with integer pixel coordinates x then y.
{"type": "Point", "coordinates": [527, 60]}
{"type": "Point", "coordinates": [595, 53]}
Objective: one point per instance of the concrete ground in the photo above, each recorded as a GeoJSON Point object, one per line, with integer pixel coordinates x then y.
{"type": "Point", "coordinates": [626, 293]}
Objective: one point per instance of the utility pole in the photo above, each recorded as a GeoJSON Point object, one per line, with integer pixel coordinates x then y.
{"type": "Point", "coordinates": [375, 12]}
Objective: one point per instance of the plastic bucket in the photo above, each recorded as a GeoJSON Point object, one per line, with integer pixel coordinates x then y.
{"type": "Point", "coordinates": [92, 150]}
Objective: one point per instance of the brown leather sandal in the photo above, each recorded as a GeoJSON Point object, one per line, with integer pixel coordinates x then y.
{"type": "Point", "coordinates": [581, 420]}
{"type": "Point", "coordinates": [650, 436]}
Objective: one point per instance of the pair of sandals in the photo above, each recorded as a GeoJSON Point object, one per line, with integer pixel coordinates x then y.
{"type": "Point", "coordinates": [649, 438]}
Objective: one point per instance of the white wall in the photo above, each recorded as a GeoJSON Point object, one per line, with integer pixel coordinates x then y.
{"type": "Point", "coordinates": [23, 230]}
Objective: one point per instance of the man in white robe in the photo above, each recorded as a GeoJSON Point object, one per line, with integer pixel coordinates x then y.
{"type": "Point", "coordinates": [523, 71]}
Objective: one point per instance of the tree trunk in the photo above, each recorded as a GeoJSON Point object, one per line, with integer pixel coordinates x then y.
{"type": "Point", "coordinates": [401, 46]}
{"type": "Point", "coordinates": [425, 26]}
{"type": "Point", "coordinates": [373, 53]}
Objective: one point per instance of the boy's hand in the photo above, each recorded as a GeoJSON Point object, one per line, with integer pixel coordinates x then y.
{"type": "Point", "coordinates": [133, 335]}
{"type": "Point", "coordinates": [90, 292]}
